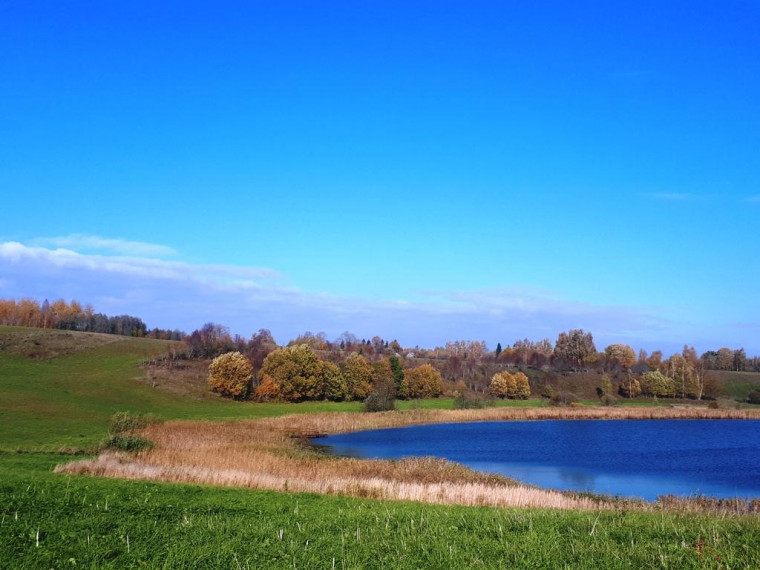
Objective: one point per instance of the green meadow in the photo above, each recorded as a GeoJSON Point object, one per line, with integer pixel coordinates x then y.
{"type": "Point", "coordinates": [48, 520]}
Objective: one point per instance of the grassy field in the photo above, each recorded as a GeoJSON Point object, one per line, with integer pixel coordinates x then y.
{"type": "Point", "coordinates": [50, 520]}
{"type": "Point", "coordinates": [54, 521]}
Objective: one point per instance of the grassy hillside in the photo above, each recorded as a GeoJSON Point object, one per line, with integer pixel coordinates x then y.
{"type": "Point", "coordinates": [59, 391]}
{"type": "Point", "coordinates": [737, 385]}
{"type": "Point", "coordinates": [66, 401]}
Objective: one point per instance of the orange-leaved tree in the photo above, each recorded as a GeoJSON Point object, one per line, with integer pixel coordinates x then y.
{"type": "Point", "coordinates": [230, 375]}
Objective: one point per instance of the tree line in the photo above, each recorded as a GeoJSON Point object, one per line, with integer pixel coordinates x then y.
{"type": "Point", "coordinates": [76, 317]}
{"type": "Point", "coordinates": [570, 364]}
{"type": "Point", "coordinates": [542, 368]}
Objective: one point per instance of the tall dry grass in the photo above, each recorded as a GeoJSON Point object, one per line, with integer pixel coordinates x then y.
{"type": "Point", "coordinates": [263, 454]}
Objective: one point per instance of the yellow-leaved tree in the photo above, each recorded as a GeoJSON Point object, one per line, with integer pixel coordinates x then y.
{"type": "Point", "coordinates": [230, 375]}
{"type": "Point", "coordinates": [512, 386]}
{"type": "Point", "coordinates": [422, 382]}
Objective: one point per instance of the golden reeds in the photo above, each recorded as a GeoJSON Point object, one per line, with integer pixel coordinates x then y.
{"type": "Point", "coordinates": [262, 454]}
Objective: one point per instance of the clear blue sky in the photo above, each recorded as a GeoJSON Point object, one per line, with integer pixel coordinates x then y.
{"type": "Point", "coordinates": [422, 171]}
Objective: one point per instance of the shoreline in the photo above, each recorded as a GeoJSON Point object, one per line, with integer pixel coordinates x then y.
{"type": "Point", "coordinates": [272, 454]}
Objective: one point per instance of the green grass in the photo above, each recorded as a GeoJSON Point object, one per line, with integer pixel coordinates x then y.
{"type": "Point", "coordinates": [55, 521]}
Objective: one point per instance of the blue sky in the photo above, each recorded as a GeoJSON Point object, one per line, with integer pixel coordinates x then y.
{"type": "Point", "coordinates": [421, 171]}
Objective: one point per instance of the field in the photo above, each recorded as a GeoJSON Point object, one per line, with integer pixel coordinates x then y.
{"type": "Point", "coordinates": [49, 519]}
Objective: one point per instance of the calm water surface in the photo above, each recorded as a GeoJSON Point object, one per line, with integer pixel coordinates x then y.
{"type": "Point", "coordinates": [639, 458]}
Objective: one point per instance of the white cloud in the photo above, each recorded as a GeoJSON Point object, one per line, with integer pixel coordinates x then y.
{"type": "Point", "coordinates": [245, 277]}
{"type": "Point", "coordinates": [753, 199]}
{"type": "Point", "coordinates": [177, 294]}
{"type": "Point", "coordinates": [91, 243]}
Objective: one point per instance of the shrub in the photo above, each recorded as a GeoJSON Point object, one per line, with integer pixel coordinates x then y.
{"type": "Point", "coordinates": [382, 398]}
{"type": "Point", "coordinates": [563, 399]}
{"type": "Point", "coordinates": [230, 375]}
{"type": "Point", "coordinates": [127, 421]}
{"type": "Point", "coordinates": [753, 397]}
{"type": "Point", "coordinates": [129, 443]}
{"type": "Point", "coordinates": [608, 400]}
{"type": "Point", "coordinates": [467, 401]}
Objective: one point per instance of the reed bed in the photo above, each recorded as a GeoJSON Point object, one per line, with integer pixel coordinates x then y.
{"type": "Point", "coordinates": [264, 454]}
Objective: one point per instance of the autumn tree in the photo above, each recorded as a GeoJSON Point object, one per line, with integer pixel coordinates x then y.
{"type": "Point", "coordinates": [334, 383]}
{"type": "Point", "coordinates": [575, 348]}
{"type": "Point", "coordinates": [260, 345]}
{"type": "Point", "coordinates": [267, 390]}
{"type": "Point", "coordinates": [502, 385]}
{"type": "Point", "coordinates": [630, 387]}
{"type": "Point", "coordinates": [382, 373]}
{"type": "Point", "coordinates": [383, 395]}
{"type": "Point", "coordinates": [657, 384]}
{"type": "Point", "coordinates": [422, 382]}
{"type": "Point", "coordinates": [230, 375]}
{"type": "Point", "coordinates": [297, 372]}
{"type": "Point", "coordinates": [619, 357]}
{"type": "Point", "coordinates": [654, 362]}
{"type": "Point", "coordinates": [512, 386]}
{"type": "Point", "coordinates": [357, 374]}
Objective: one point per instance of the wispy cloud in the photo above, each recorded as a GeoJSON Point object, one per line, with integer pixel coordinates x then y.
{"type": "Point", "coordinates": [148, 267]}
{"type": "Point", "coordinates": [92, 243]}
{"type": "Point", "coordinates": [679, 196]}
{"type": "Point", "coordinates": [170, 293]}
{"type": "Point", "coordinates": [753, 199]}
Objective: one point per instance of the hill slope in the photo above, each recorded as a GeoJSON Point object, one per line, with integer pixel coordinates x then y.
{"type": "Point", "coordinates": [66, 401]}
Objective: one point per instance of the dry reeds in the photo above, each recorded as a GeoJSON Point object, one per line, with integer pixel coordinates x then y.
{"type": "Point", "coordinates": [262, 454]}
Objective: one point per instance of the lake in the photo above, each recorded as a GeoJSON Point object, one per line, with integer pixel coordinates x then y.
{"type": "Point", "coordinates": [635, 458]}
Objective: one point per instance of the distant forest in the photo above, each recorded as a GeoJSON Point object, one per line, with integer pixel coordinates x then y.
{"type": "Point", "coordinates": [570, 365]}
{"type": "Point", "coordinates": [76, 317]}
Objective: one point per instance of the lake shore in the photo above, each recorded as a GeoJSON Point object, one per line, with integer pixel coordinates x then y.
{"type": "Point", "coordinates": [273, 454]}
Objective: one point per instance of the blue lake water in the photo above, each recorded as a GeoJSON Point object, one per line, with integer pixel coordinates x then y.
{"type": "Point", "coordinates": [636, 458]}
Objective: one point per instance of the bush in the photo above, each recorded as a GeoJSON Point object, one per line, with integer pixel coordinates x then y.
{"type": "Point", "coordinates": [382, 398]}
{"type": "Point", "coordinates": [563, 399]}
{"type": "Point", "coordinates": [127, 421]}
{"type": "Point", "coordinates": [467, 401]}
{"type": "Point", "coordinates": [608, 400]}
{"type": "Point", "coordinates": [753, 397]}
{"type": "Point", "coordinates": [130, 443]}
{"type": "Point", "coordinates": [230, 375]}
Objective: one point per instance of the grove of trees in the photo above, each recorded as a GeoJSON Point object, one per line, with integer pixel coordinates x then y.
{"type": "Point", "coordinates": [76, 317]}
